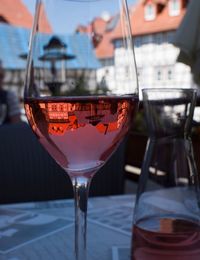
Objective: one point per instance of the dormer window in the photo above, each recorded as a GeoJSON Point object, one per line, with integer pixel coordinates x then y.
{"type": "Point", "coordinates": [149, 12]}
{"type": "Point", "coordinates": [174, 7]}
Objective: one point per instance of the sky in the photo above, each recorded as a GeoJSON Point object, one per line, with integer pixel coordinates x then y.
{"type": "Point", "coordinates": [58, 21]}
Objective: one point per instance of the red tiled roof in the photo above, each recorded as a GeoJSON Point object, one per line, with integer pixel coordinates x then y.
{"type": "Point", "coordinates": [162, 22]}
{"type": "Point", "coordinates": [97, 28]}
{"type": "Point", "coordinates": [82, 29]}
{"type": "Point", "coordinates": [14, 12]}
{"type": "Point", "coordinates": [105, 48]}
{"type": "Point", "coordinates": [154, 1]}
{"type": "Point", "coordinates": [99, 25]}
{"type": "Point", "coordinates": [44, 26]}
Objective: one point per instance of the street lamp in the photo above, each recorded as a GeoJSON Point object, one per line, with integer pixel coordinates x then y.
{"type": "Point", "coordinates": [55, 55]}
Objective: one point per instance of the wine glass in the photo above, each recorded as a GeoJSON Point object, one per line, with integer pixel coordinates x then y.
{"type": "Point", "coordinates": [80, 109]}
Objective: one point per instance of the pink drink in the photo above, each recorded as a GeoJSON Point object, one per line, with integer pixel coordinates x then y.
{"type": "Point", "coordinates": [177, 240]}
{"type": "Point", "coordinates": [80, 133]}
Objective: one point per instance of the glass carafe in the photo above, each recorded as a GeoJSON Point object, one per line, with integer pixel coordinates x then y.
{"type": "Point", "coordinates": [167, 211]}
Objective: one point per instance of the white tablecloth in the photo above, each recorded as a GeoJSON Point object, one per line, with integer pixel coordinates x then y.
{"type": "Point", "coordinates": [45, 230]}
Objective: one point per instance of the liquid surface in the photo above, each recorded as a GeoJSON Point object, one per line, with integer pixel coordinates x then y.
{"type": "Point", "coordinates": [176, 240]}
{"type": "Point", "coordinates": [80, 133]}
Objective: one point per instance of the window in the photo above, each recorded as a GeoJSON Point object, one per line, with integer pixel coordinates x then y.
{"type": "Point", "coordinates": [150, 12]}
{"type": "Point", "coordinates": [118, 43]}
{"type": "Point", "coordinates": [170, 74]}
{"type": "Point", "coordinates": [137, 41]}
{"type": "Point", "coordinates": [164, 74]}
{"type": "Point", "coordinates": [127, 71]}
{"type": "Point", "coordinates": [147, 39]}
{"type": "Point", "coordinates": [170, 37]}
{"type": "Point", "coordinates": [158, 38]}
{"type": "Point", "coordinates": [159, 75]}
{"type": "Point", "coordinates": [107, 62]}
{"type": "Point", "coordinates": [174, 7]}
{"type": "Point", "coordinates": [139, 73]}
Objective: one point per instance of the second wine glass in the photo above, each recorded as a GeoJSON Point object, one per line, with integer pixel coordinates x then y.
{"type": "Point", "coordinates": [81, 89]}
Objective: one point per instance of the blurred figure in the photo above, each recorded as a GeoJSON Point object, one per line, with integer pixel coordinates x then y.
{"type": "Point", "coordinates": [9, 101]}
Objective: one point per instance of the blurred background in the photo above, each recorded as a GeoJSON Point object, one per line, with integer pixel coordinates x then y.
{"type": "Point", "coordinates": [155, 29]}
{"type": "Point", "coordinates": [154, 25]}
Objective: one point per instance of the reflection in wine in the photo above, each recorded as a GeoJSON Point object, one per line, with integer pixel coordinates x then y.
{"type": "Point", "coordinates": [80, 133]}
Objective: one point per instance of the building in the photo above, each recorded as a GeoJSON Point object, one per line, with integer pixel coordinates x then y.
{"type": "Point", "coordinates": [12, 17]}
{"type": "Point", "coordinates": [15, 13]}
{"type": "Point", "coordinates": [154, 23]}
{"type": "Point", "coordinates": [106, 75]}
{"type": "Point", "coordinates": [15, 24]}
{"type": "Point", "coordinates": [101, 32]}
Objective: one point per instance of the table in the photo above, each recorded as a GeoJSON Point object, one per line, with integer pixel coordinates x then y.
{"type": "Point", "coordinates": [45, 230]}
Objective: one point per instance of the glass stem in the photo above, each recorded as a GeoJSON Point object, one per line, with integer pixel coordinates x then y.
{"type": "Point", "coordinates": [81, 190]}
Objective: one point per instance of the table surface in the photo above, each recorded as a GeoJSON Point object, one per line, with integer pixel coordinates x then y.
{"type": "Point", "coordinates": [45, 230]}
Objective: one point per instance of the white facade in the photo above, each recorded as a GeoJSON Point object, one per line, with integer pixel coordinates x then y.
{"type": "Point", "coordinates": [119, 76]}
{"type": "Point", "coordinates": [158, 67]}
{"type": "Point", "coordinates": [156, 58]}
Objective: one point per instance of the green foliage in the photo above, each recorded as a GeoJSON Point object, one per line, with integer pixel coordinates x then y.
{"type": "Point", "coordinates": [79, 87]}
{"type": "Point", "coordinates": [102, 87]}
{"type": "Point", "coordinates": [140, 123]}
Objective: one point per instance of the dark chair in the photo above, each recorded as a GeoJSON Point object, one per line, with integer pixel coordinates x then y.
{"type": "Point", "coordinates": [28, 173]}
